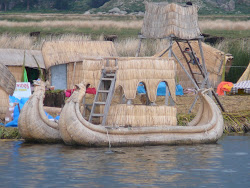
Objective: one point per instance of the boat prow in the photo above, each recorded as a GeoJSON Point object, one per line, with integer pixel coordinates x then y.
{"type": "Point", "coordinates": [207, 127]}
{"type": "Point", "coordinates": [33, 124]}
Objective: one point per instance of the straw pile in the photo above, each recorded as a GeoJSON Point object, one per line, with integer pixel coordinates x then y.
{"type": "Point", "coordinates": [62, 52]}
{"type": "Point", "coordinates": [151, 71]}
{"type": "Point", "coordinates": [246, 75]}
{"type": "Point", "coordinates": [141, 115]}
{"type": "Point", "coordinates": [162, 19]}
{"type": "Point", "coordinates": [213, 58]}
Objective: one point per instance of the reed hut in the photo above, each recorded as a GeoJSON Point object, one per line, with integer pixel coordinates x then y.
{"type": "Point", "coordinates": [214, 61]}
{"type": "Point", "coordinates": [7, 87]}
{"type": "Point", "coordinates": [66, 60]}
{"type": "Point", "coordinates": [14, 58]}
{"type": "Point", "coordinates": [246, 75]}
{"type": "Point", "coordinates": [163, 19]}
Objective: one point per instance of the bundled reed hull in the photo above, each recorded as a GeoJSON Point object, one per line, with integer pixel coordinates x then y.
{"type": "Point", "coordinates": [207, 127]}
{"type": "Point", "coordinates": [33, 124]}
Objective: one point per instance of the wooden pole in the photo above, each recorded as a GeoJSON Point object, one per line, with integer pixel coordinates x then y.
{"type": "Point", "coordinates": [139, 48]}
{"type": "Point", "coordinates": [73, 77]}
{"type": "Point", "coordinates": [190, 77]}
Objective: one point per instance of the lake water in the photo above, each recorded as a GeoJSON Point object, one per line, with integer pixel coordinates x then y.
{"type": "Point", "coordinates": [226, 164]}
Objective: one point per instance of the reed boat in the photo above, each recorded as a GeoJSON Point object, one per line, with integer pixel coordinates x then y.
{"type": "Point", "coordinates": [33, 124]}
{"type": "Point", "coordinates": [158, 129]}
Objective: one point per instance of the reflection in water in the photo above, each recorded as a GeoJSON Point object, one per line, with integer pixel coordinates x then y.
{"type": "Point", "coordinates": [32, 165]}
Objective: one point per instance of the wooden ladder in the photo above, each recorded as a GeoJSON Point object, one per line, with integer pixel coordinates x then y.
{"type": "Point", "coordinates": [202, 72]}
{"type": "Point", "coordinates": [104, 93]}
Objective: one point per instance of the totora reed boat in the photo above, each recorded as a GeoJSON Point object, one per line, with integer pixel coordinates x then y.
{"type": "Point", "coordinates": [136, 125]}
{"type": "Point", "coordinates": [33, 124]}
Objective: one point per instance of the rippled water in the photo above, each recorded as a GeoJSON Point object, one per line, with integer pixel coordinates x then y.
{"type": "Point", "coordinates": [226, 164]}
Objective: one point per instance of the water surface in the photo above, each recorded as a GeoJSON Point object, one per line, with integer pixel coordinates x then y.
{"type": "Point", "coordinates": [226, 164]}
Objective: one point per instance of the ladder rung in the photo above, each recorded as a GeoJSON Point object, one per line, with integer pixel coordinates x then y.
{"type": "Point", "coordinates": [110, 74]}
{"type": "Point", "coordinates": [103, 91]}
{"type": "Point", "coordinates": [201, 83]}
{"type": "Point", "coordinates": [100, 103]}
{"type": "Point", "coordinates": [107, 78]}
{"type": "Point", "coordinates": [197, 73]}
{"type": "Point", "coordinates": [97, 115]}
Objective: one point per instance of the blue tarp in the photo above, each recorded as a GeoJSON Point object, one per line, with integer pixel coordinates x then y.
{"type": "Point", "coordinates": [51, 117]}
{"type": "Point", "coordinates": [16, 112]}
{"type": "Point", "coordinates": [22, 101]}
{"type": "Point", "coordinates": [161, 90]}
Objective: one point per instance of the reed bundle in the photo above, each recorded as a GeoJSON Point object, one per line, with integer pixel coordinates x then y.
{"type": "Point", "coordinates": [162, 20]}
{"type": "Point", "coordinates": [151, 71]}
{"type": "Point", "coordinates": [62, 52]}
{"type": "Point", "coordinates": [141, 115]}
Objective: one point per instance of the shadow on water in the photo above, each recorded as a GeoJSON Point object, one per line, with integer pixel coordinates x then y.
{"type": "Point", "coordinates": [23, 164]}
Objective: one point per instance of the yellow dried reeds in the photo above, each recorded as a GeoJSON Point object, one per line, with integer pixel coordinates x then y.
{"type": "Point", "coordinates": [162, 20]}
{"type": "Point", "coordinates": [95, 24]}
{"type": "Point", "coordinates": [61, 52]}
{"type": "Point", "coordinates": [141, 115]}
{"type": "Point", "coordinates": [150, 71]}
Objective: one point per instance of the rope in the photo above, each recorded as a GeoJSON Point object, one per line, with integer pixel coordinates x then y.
{"type": "Point", "coordinates": [108, 139]}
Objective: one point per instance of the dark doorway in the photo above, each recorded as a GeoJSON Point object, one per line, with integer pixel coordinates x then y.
{"type": "Point", "coordinates": [33, 74]}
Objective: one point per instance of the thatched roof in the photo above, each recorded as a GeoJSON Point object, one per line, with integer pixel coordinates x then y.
{"type": "Point", "coordinates": [14, 57]}
{"type": "Point", "coordinates": [246, 75]}
{"type": "Point", "coordinates": [7, 80]}
{"type": "Point", "coordinates": [162, 20]}
{"type": "Point", "coordinates": [61, 52]}
{"type": "Point", "coordinates": [213, 58]}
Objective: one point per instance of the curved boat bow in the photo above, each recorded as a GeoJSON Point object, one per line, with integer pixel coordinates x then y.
{"type": "Point", "coordinates": [33, 124]}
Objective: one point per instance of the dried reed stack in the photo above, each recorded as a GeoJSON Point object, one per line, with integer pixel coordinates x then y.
{"type": "Point", "coordinates": [151, 71]}
{"type": "Point", "coordinates": [245, 75]}
{"type": "Point", "coordinates": [213, 58]}
{"type": "Point", "coordinates": [62, 52]}
{"type": "Point", "coordinates": [7, 87]}
{"type": "Point", "coordinates": [162, 20]}
{"type": "Point", "coordinates": [141, 115]}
